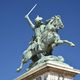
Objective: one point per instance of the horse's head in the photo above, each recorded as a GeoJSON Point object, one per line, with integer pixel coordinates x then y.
{"type": "Point", "coordinates": [57, 22]}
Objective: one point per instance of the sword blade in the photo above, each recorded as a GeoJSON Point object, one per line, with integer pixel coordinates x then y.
{"type": "Point", "coordinates": [31, 10]}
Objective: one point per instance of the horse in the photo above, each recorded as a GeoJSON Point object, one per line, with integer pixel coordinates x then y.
{"type": "Point", "coordinates": [49, 40]}
{"type": "Point", "coordinates": [51, 35]}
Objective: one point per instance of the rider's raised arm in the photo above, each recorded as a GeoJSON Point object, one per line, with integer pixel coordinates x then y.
{"type": "Point", "coordinates": [27, 17]}
{"type": "Point", "coordinates": [30, 22]}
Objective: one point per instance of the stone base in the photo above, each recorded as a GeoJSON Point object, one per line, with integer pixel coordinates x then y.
{"type": "Point", "coordinates": [52, 76]}
{"type": "Point", "coordinates": [49, 71]}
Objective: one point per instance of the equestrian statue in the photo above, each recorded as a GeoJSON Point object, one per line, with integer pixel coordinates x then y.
{"type": "Point", "coordinates": [45, 38]}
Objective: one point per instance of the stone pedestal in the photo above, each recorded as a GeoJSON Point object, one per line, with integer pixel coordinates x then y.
{"type": "Point", "coordinates": [50, 71]}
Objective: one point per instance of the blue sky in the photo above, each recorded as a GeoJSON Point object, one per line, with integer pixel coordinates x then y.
{"type": "Point", "coordinates": [15, 32]}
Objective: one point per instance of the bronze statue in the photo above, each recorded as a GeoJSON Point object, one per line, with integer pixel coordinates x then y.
{"type": "Point", "coordinates": [45, 38]}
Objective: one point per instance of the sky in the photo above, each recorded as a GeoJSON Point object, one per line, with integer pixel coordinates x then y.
{"type": "Point", "coordinates": [15, 33]}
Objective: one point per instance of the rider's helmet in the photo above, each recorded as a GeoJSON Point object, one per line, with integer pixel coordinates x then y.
{"type": "Point", "coordinates": [38, 18]}
{"type": "Point", "coordinates": [38, 21]}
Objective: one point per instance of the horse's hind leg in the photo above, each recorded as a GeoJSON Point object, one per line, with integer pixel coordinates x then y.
{"type": "Point", "coordinates": [18, 69]}
{"type": "Point", "coordinates": [26, 57]}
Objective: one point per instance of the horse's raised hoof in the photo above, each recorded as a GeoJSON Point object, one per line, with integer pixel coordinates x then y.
{"type": "Point", "coordinates": [72, 44]}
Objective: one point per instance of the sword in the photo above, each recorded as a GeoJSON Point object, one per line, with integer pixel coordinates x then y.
{"type": "Point", "coordinates": [31, 10]}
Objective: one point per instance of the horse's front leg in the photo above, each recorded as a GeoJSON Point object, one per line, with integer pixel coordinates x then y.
{"type": "Point", "coordinates": [64, 41]}
{"type": "Point", "coordinates": [68, 42]}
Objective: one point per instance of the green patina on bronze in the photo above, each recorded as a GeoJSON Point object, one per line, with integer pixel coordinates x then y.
{"type": "Point", "coordinates": [44, 40]}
